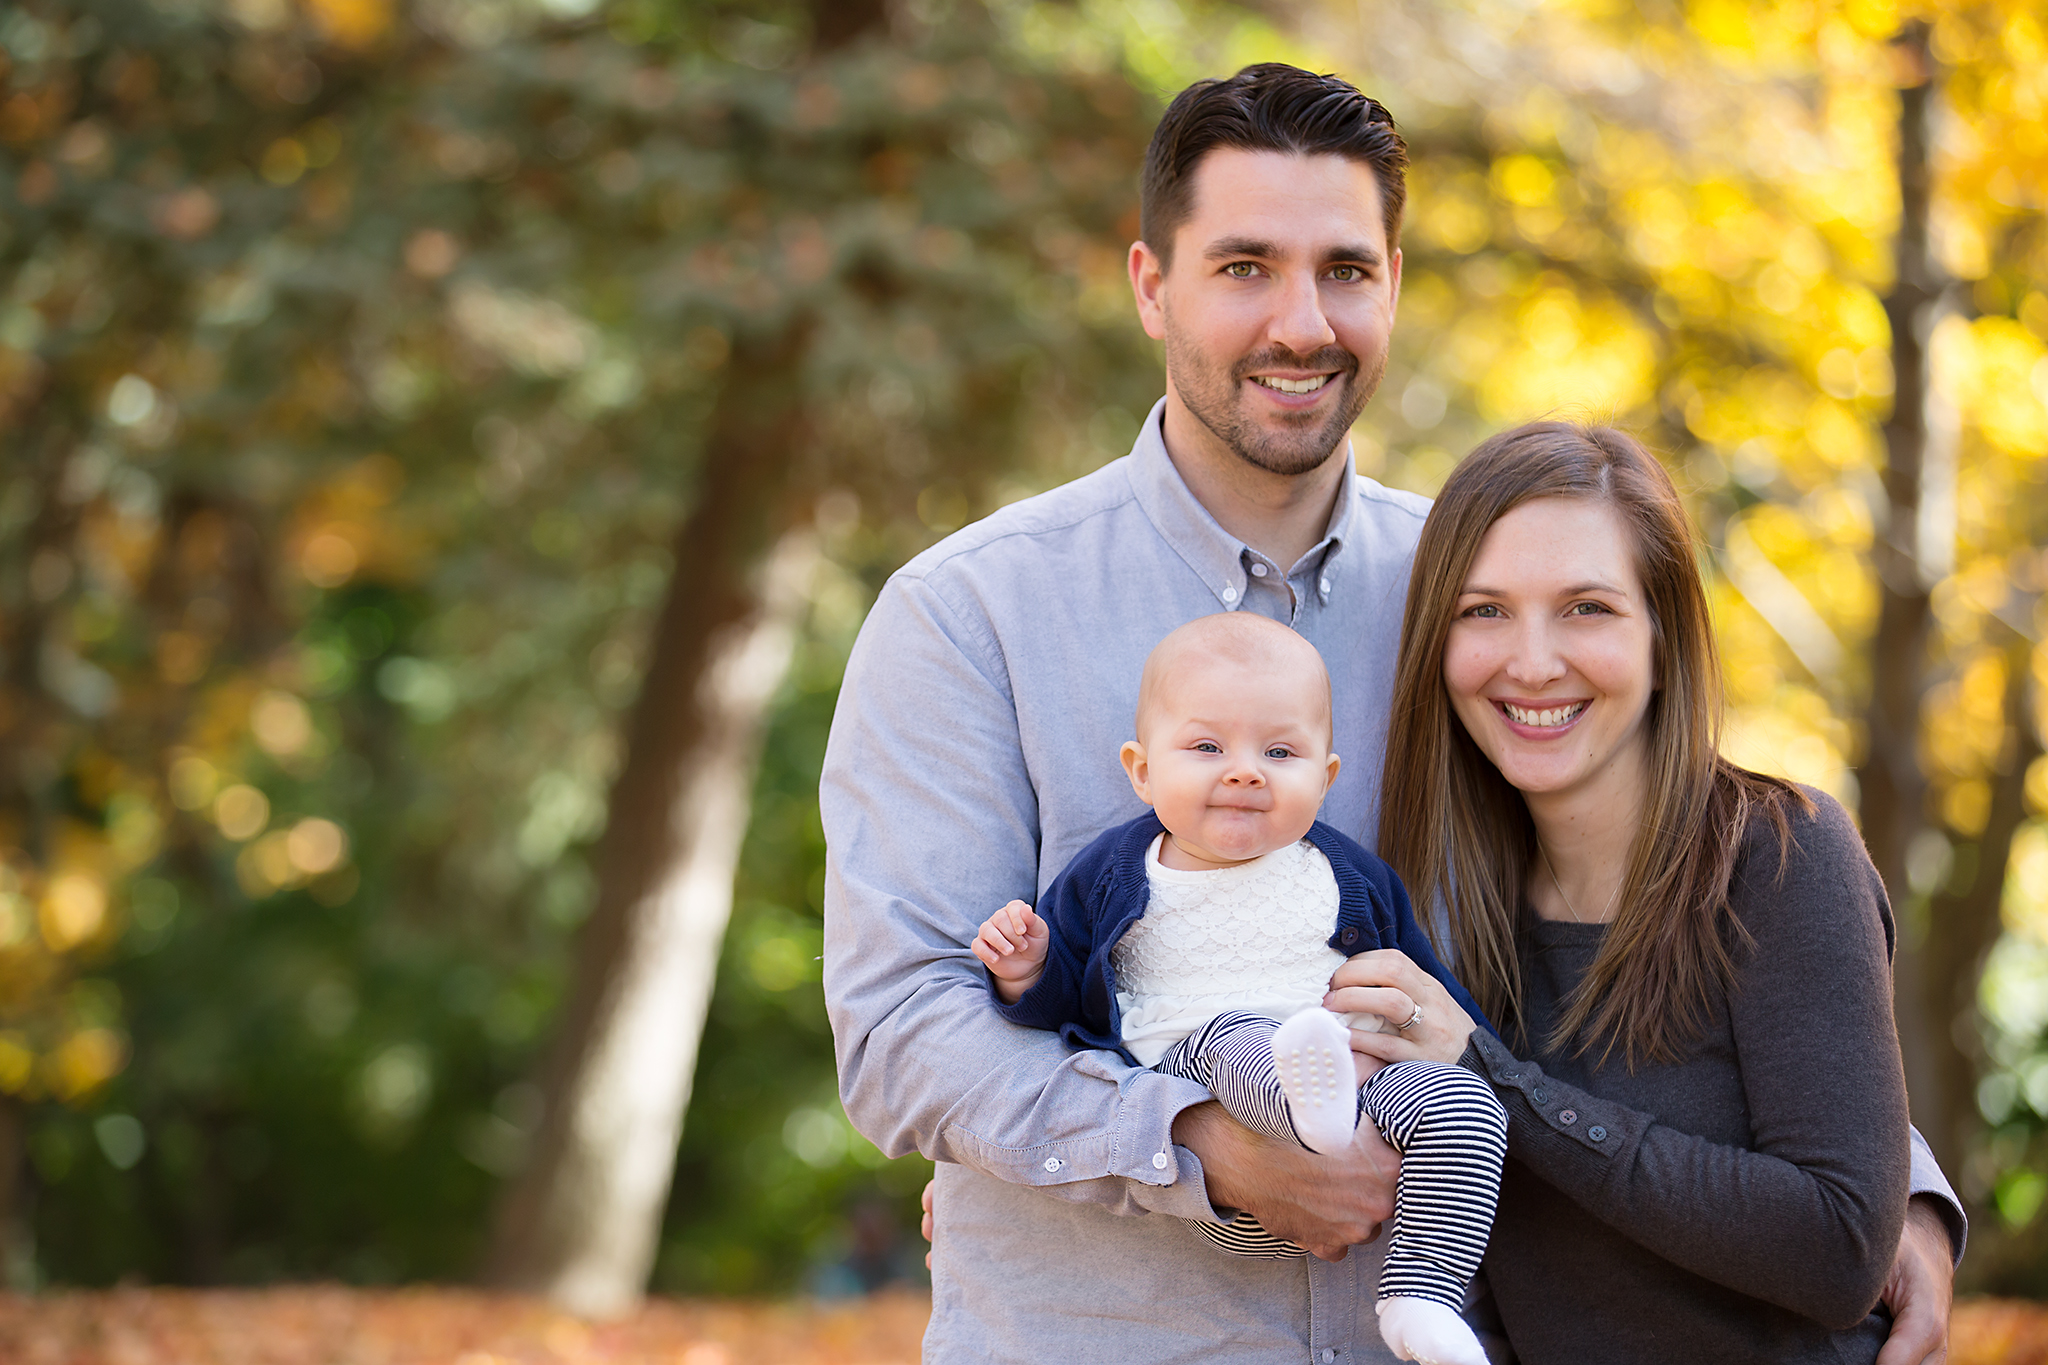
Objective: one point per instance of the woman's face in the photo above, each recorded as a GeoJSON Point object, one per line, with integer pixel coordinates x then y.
{"type": "Point", "coordinates": [1549, 661]}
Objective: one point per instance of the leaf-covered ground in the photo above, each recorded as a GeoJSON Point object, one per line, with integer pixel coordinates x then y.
{"type": "Point", "coordinates": [324, 1325]}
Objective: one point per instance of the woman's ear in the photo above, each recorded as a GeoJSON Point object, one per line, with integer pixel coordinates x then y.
{"type": "Point", "coordinates": [1133, 756]}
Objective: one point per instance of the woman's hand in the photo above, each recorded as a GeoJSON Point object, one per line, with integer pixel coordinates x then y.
{"type": "Point", "coordinates": [1389, 984]}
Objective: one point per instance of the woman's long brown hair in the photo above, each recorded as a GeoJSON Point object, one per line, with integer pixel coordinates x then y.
{"type": "Point", "coordinates": [1454, 828]}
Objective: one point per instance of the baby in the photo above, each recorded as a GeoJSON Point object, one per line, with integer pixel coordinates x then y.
{"type": "Point", "coordinates": [1200, 939]}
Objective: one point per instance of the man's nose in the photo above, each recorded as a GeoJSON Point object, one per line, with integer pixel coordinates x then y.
{"type": "Point", "coordinates": [1298, 321]}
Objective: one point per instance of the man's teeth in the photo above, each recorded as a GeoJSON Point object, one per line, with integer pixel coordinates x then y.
{"type": "Point", "coordinates": [1545, 719]}
{"type": "Point", "coordinates": [1291, 385]}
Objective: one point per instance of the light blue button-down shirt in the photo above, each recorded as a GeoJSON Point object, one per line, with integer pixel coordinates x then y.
{"type": "Point", "coordinates": [973, 753]}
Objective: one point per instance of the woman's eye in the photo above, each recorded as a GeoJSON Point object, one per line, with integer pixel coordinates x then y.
{"type": "Point", "coordinates": [1586, 609]}
{"type": "Point", "coordinates": [1485, 611]}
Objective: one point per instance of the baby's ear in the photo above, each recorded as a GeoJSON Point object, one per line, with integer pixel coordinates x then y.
{"type": "Point", "coordinates": [1331, 777]}
{"type": "Point", "coordinates": [1133, 756]}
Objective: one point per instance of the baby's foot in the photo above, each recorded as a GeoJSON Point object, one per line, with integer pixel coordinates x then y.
{"type": "Point", "coordinates": [1312, 1054]}
{"type": "Point", "coordinates": [1425, 1330]}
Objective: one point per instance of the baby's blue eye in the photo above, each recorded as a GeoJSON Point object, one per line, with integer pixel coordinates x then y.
{"type": "Point", "coordinates": [1279, 752]}
{"type": "Point", "coordinates": [1207, 747]}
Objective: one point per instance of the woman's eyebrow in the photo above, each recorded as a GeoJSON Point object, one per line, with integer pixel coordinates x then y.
{"type": "Point", "coordinates": [1590, 585]}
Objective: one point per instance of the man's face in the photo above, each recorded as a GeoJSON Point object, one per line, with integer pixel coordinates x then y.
{"type": "Point", "coordinates": [1278, 306]}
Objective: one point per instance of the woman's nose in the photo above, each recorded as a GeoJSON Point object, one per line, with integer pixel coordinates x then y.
{"type": "Point", "coordinates": [1535, 659]}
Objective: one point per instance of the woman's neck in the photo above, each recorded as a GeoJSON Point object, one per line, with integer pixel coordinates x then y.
{"type": "Point", "coordinates": [1583, 839]}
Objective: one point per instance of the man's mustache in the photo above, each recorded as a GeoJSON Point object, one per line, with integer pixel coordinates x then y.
{"type": "Point", "coordinates": [1328, 358]}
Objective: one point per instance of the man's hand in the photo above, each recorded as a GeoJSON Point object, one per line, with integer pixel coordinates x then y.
{"type": "Point", "coordinates": [1920, 1289]}
{"type": "Point", "coordinates": [1012, 944]}
{"type": "Point", "coordinates": [1327, 1203]}
{"type": "Point", "coordinates": [924, 1224]}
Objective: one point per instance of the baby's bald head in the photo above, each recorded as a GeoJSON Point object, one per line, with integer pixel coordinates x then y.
{"type": "Point", "coordinates": [1278, 665]}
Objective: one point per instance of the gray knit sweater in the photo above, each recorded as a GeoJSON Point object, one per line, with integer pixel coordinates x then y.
{"type": "Point", "coordinates": [1743, 1204]}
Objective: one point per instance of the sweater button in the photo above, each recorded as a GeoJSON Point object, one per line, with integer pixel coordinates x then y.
{"type": "Point", "coordinates": [1538, 1096]}
{"type": "Point", "coordinates": [1568, 1117]}
{"type": "Point", "coordinates": [1597, 1133]}
{"type": "Point", "coordinates": [1348, 937]}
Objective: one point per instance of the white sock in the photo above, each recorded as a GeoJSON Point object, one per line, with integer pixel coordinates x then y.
{"type": "Point", "coordinates": [1312, 1054]}
{"type": "Point", "coordinates": [1426, 1331]}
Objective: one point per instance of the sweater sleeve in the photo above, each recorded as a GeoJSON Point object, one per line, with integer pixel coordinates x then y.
{"type": "Point", "coordinates": [1070, 910]}
{"type": "Point", "coordinates": [1810, 1217]}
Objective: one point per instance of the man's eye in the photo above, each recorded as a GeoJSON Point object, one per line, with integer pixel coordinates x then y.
{"type": "Point", "coordinates": [1346, 274]}
{"type": "Point", "coordinates": [1240, 270]}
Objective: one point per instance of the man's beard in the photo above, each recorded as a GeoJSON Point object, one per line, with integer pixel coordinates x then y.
{"type": "Point", "coordinates": [1218, 403]}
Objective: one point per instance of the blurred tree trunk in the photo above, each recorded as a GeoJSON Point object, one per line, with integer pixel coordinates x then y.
{"type": "Point", "coordinates": [580, 1223]}
{"type": "Point", "coordinates": [1893, 789]}
{"type": "Point", "coordinates": [1964, 922]}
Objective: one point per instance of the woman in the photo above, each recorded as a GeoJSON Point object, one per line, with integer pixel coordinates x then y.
{"type": "Point", "coordinates": [1708, 1133]}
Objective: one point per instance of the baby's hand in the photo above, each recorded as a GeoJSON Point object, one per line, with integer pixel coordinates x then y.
{"type": "Point", "coordinates": [1012, 944]}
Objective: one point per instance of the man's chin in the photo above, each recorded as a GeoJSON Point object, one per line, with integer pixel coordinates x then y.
{"type": "Point", "coordinates": [1304, 443]}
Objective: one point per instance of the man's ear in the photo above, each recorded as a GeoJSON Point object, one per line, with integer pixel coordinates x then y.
{"type": "Point", "coordinates": [1394, 278]}
{"type": "Point", "coordinates": [1133, 755]}
{"type": "Point", "coordinates": [1148, 286]}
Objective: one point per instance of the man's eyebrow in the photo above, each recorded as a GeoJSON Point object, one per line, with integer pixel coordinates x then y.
{"type": "Point", "coordinates": [1259, 249]}
{"type": "Point", "coordinates": [1355, 254]}
{"type": "Point", "coordinates": [1231, 248]}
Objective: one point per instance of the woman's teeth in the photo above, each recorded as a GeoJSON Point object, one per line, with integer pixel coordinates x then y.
{"type": "Point", "coordinates": [1546, 719]}
{"type": "Point", "coordinates": [1291, 385]}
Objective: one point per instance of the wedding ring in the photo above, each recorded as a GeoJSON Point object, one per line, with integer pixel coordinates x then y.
{"type": "Point", "coordinates": [1413, 1020]}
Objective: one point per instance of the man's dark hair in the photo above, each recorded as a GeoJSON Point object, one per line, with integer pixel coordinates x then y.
{"type": "Point", "coordinates": [1270, 107]}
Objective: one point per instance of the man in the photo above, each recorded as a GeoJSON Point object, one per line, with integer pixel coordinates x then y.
{"type": "Point", "coordinates": [974, 752]}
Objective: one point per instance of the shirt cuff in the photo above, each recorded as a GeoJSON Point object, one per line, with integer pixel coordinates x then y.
{"type": "Point", "coordinates": [1927, 1179]}
{"type": "Point", "coordinates": [1152, 1175]}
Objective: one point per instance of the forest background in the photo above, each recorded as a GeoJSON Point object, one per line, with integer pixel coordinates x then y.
{"type": "Point", "coordinates": [447, 447]}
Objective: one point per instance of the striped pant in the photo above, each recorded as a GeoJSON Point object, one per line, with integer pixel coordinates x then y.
{"type": "Point", "coordinates": [1450, 1130]}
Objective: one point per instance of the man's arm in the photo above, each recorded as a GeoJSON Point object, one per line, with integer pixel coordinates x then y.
{"type": "Point", "coordinates": [931, 819]}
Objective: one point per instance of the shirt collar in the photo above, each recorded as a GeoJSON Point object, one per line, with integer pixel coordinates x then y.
{"type": "Point", "coordinates": [1216, 556]}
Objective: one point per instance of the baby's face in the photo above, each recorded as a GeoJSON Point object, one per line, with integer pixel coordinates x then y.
{"type": "Point", "coordinates": [1234, 760]}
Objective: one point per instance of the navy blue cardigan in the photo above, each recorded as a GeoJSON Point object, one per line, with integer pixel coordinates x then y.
{"type": "Point", "coordinates": [1103, 893]}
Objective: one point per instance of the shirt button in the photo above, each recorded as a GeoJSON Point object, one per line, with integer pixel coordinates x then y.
{"type": "Point", "coordinates": [1328, 1355]}
{"type": "Point", "coordinates": [1568, 1117]}
{"type": "Point", "coordinates": [1324, 585]}
{"type": "Point", "coordinates": [1258, 571]}
{"type": "Point", "coordinates": [1229, 594]}
{"type": "Point", "coordinates": [1052, 1163]}
{"type": "Point", "coordinates": [1159, 1161]}
{"type": "Point", "coordinates": [1597, 1133]}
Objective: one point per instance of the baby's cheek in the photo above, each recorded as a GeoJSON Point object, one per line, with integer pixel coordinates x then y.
{"type": "Point", "coordinates": [1365, 1066]}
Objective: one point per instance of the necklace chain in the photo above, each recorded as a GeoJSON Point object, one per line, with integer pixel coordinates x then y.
{"type": "Point", "coordinates": [1572, 910]}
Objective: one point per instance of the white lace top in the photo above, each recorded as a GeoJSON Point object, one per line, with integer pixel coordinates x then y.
{"type": "Point", "coordinates": [1251, 937]}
